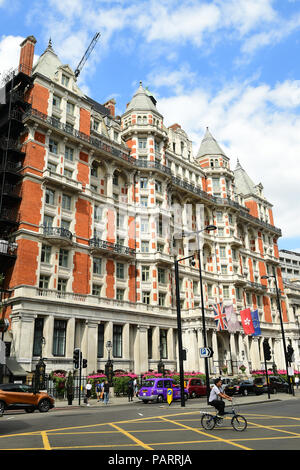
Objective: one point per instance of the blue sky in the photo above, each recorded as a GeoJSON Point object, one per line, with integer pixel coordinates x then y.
{"type": "Point", "coordinates": [231, 65]}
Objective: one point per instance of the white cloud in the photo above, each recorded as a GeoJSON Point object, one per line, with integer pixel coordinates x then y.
{"type": "Point", "coordinates": [9, 52]}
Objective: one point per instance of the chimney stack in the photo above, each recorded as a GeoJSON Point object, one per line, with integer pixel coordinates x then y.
{"type": "Point", "coordinates": [110, 104]}
{"type": "Point", "coordinates": [26, 55]}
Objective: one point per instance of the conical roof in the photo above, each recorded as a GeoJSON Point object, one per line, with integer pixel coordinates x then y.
{"type": "Point", "coordinates": [142, 101]}
{"type": "Point", "coordinates": [209, 146]}
{"type": "Point", "coordinates": [48, 62]}
{"type": "Point", "coordinates": [243, 182]}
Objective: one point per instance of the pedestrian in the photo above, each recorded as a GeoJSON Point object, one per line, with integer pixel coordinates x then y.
{"type": "Point", "coordinates": [98, 391]}
{"type": "Point", "coordinates": [102, 391]}
{"type": "Point", "coordinates": [88, 389]}
{"type": "Point", "coordinates": [297, 381]}
{"type": "Point", "coordinates": [130, 390]}
{"type": "Point", "coordinates": [106, 392]}
{"type": "Point", "coordinates": [135, 388]}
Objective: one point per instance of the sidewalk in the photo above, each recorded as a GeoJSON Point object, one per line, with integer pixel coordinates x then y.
{"type": "Point", "coordinates": [191, 403]}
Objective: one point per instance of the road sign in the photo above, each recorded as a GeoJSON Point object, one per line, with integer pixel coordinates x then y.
{"type": "Point", "coordinates": [169, 395]}
{"type": "Point", "coordinates": [206, 352]}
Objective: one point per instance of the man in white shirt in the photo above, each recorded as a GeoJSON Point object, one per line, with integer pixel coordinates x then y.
{"type": "Point", "coordinates": [216, 395]}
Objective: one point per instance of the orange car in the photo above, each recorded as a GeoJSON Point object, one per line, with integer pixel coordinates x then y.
{"type": "Point", "coordinates": [22, 397]}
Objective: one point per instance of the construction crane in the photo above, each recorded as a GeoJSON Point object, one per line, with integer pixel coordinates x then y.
{"type": "Point", "coordinates": [86, 54]}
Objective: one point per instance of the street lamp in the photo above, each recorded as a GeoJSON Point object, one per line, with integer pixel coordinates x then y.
{"type": "Point", "coordinates": [281, 323]}
{"type": "Point", "coordinates": [109, 364]}
{"type": "Point", "coordinates": [208, 227]}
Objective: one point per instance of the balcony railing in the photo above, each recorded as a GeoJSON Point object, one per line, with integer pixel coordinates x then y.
{"type": "Point", "coordinates": [57, 232]}
{"type": "Point", "coordinates": [8, 248]}
{"type": "Point", "coordinates": [114, 247]}
{"type": "Point", "coordinates": [151, 165]}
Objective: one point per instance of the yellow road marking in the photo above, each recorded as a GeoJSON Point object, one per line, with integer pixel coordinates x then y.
{"type": "Point", "coordinates": [45, 441]}
{"type": "Point", "coordinates": [208, 435]}
{"type": "Point", "coordinates": [140, 443]}
{"type": "Point", "coordinates": [273, 428]}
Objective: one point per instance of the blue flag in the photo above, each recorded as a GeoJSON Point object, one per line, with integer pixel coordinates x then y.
{"type": "Point", "coordinates": [256, 324]}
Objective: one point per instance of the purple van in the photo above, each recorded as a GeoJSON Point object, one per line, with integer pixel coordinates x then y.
{"type": "Point", "coordinates": [155, 389]}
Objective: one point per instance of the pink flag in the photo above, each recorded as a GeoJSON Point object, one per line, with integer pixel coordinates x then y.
{"type": "Point", "coordinates": [232, 321]}
{"type": "Point", "coordinates": [247, 321]}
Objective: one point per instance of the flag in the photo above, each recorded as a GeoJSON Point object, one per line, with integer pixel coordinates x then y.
{"type": "Point", "coordinates": [220, 316]}
{"type": "Point", "coordinates": [256, 324]}
{"type": "Point", "coordinates": [232, 321]}
{"type": "Point", "coordinates": [247, 321]}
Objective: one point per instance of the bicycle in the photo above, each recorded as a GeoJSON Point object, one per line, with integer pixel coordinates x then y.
{"type": "Point", "coordinates": [238, 422]}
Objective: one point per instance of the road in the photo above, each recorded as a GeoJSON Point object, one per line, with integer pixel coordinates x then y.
{"type": "Point", "coordinates": [155, 428]}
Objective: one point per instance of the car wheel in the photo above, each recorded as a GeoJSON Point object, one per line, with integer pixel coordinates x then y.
{"type": "Point", "coordinates": [2, 408]}
{"type": "Point", "coordinates": [30, 410]}
{"type": "Point", "coordinates": [274, 391]}
{"type": "Point", "coordinates": [44, 406]}
{"type": "Point", "coordinates": [186, 397]}
{"type": "Point", "coordinates": [193, 395]}
{"type": "Point", "coordinates": [245, 393]}
{"type": "Point", "coordinates": [160, 399]}
{"type": "Point", "coordinates": [146, 401]}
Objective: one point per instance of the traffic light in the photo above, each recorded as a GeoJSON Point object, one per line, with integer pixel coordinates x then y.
{"type": "Point", "coordinates": [76, 358]}
{"type": "Point", "coordinates": [267, 350]}
{"type": "Point", "coordinates": [289, 353]}
{"type": "Point", "coordinates": [84, 363]}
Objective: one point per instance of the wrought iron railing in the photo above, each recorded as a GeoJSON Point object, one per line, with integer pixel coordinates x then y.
{"type": "Point", "coordinates": [116, 247]}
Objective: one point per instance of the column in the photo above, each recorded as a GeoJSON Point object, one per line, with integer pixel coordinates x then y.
{"type": "Point", "coordinates": [48, 334]}
{"type": "Point", "coordinates": [141, 350]}
{"type": "Point", "coordinates": [23, 334]}
{"type": "Point", "coordinates": [126, 343]}
{"type": "Point", "coordinates": [108, 336]}
{"type": "Point", "coordinates": [89, 345]}
{"type": "Point", "coordinates": [155, 343]}
{"type": "Point", "coordinates": [170, 343]}
{"type": "Point", "coordinates": [254, 354]}
{"type": "Point", "coordinates": [70, 337]}
{"type": "Point", "coordinates": [233, 353]}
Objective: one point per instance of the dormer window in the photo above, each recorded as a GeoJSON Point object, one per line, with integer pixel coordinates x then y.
{"type": "Point", "coordinates": [96, 125]}
{"type": "Point", "coordinates": [64, 80]}
{"type": "Point", "coordinates": [56, 101]}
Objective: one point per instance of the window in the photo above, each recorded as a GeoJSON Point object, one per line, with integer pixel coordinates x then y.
{"type": "Point", "coordinates": [219, 217]}
{"type": "Point", "coordinates": [120, 294]}
{"type": "Point", "coordinates": [160, 247]}
{"type": "Point", "coordinates": [44, 282]}
{"type": "Point", "coordinates": [51, 167]}
{"type": "Point", "coordinates": [161, 299]}
{"type": "Point", "coordinates": [116, 179]}
{"type": "Point", "coordinates": [45, 254]}
{"type": "Point", "coordinates": [224, 269]}
{"type": "Point", "coordinates": [48, 221]}
{"type": "Point", "coordinates": [50, 195]}
{"type": "Point", "coordinates": [146, 298]}
{"type": "Point", "coordinates": [120, 220]}
{"type": "Point", "coordinates": [66, 202]}
{"type": "Point", "coordinates": [222, 252]}
{"type": "Point", "coordinates": [145, 273]}
{"type": "Point", "coordinates": [97, 213]}
{"type": "Point", "coordinates": [59, 337]}
{"type": "Point", "coordinates": [117, 341]}
{"type": "Point", "coordinates": [96, 125]}
{"type": "Point", "coordinates": [221, 232]}
{"type": "Point", "coordinates": [69, 153]}
{"type": "Point", "coordinates": [53, 146]}
{"type": "Point", "coordinates": [120, 271]}
{"type": "Point", "coordinates": [209, 290]}
{"type": "Point", "coordinates": [56, 101]}
{"type": "Point", "coordinates": [161, 275]}
{"type": "Point", "coordinates": [158, 186]}
{"type": "Point", "coordinates": [163, 344]}
{"type": "Point", "coordinates": [62, 284]}
{"type": "Point", "coordinates": [68, 173]}
{"type": "Point", "coordinates": [226, 292]}
{"type": "Point", "coordinates": [144, 247]}
{"type": "Point", "coordinates": [96, 290]}
{"type": "Point", "coordinates": [38, 334]}
{"type": "Point", "coordinates": [69, 127]}
{"type": "Point", "coordinates": [94, 170]}
{"type": "Point", "coordinates": [96, 265]}
{"type": "Point", "coordinates": [144, 201]}
{"type": "Point", "coordinates": [144, 226]}
{"type": "Point", "coordinates": [65, 224]}
{"type": "Point", "coordinates": [216, 185]}
{"type": "Point", "coordinates": [63, 258]}
{"type": "Point", "coordinates": [143, 183]}
{"type": "Point", "coordinates": [100, 349]}
{"type": "Point", "coordinates": [65, 80]}
{"type": "Point", "coordinates": [70, 108]}
{"type": "Point", "coordinates": [142, 144]}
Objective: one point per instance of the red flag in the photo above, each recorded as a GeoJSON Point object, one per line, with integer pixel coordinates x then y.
{"type": "Point", "coordinates": [247, 321]}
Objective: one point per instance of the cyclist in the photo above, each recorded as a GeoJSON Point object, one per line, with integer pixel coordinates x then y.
{"type": "Point", "coordinates": [216, 396]}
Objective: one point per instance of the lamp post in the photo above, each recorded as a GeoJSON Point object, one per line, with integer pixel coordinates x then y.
{"type": "Point", "coordinates": [209, 227]}
{"type": "Point", "coordinates": [281, 324]}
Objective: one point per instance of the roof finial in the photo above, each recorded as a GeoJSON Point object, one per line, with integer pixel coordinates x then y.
{"type": "Point", "coordinates": [49, 48]}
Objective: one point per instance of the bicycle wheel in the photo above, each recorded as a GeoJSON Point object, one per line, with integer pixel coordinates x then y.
{"type": "Point", "coordinates": [208, 422]}
{"type": "Point", "coordinates": [239, 423]}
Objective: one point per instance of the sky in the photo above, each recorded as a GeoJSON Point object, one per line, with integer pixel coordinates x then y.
{"type": "Point", "coordinates": [230, 65]}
